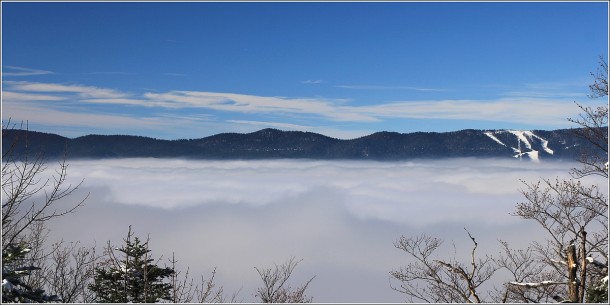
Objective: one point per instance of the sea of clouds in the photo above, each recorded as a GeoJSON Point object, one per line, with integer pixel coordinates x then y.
{"type": "Point", "coordinates": [340, 217]}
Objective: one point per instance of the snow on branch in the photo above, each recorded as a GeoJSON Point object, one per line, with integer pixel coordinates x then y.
{"type": "Point", "coordinates": [559, 262]}
{"type": "Point", "coordinates": [543, 283]}
{"type": "Point", "coordinates": [596, 263]}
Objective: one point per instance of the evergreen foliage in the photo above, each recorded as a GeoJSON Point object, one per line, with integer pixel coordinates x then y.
{"type": "Point", "coordinates": [133, 278]}
{"type": "Point", "coordinates": [598, 294]}
{"type": "Point", "coordinates": [14, 269]}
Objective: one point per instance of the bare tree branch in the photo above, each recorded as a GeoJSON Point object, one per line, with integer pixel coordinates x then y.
{"type": "Point", "coordinates": [276, 288]}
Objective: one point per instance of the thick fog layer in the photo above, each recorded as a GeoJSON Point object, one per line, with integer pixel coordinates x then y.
{"type": "Point", "coordinates": [341, 218]}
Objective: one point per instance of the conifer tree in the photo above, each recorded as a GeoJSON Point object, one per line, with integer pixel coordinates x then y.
{"type": "Point", "coordinates": [134, 277]}
{"type": "Point", "coordinates": [14, 269]}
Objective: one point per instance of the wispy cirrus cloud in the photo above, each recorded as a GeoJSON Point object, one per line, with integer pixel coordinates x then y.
{"type": "Point", "coordinates": [73, 123]}
{"type": "Point", "coordinates": [380, 87]}
{"type": "Point", "coordinates": [272, 124]}
{"type": "Point", "coordinates": [17, 96]}
{"type": "Point", "coordinates": [245, 103]}
{"type": "Point", "coordinates": [110, 73]}
{"type": "Point", "coordinates": [82, 91]}
{"type": "Point", "coordinates": [122, 101]}
{"type": "Point", "coordinates": [541, 111]}
{"type": "Point", "coordinates": [312, 81]}
{"type": "Point", "coordinates": [550, 90]}
{"type": "Point", "coordinates": [22, 71]}
{"type": "Point", "coordinates": [54, 117]}
{"type": "Point", "coordinates": [515, 110]}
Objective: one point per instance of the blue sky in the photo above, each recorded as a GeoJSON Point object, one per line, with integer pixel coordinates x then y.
{"type": "Point", "coordinates": [188, 70]}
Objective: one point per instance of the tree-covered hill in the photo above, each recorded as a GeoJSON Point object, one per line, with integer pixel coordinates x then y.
{"type": "Point", "coordinates": [273, 143]}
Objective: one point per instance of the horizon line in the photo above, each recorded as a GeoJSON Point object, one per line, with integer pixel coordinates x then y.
{"type": "Point", "coordinates": [282, 130]}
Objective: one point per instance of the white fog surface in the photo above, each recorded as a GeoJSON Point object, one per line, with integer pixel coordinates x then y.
{"type": "Point", "coordinates": [340, 217]}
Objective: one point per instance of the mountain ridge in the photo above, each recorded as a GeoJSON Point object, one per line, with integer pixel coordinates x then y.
{"type": "Point", "coordinates": [271, 143]}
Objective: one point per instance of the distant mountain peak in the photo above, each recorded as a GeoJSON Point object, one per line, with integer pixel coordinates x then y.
{"type": "Point", "coordinates": [268, 131]}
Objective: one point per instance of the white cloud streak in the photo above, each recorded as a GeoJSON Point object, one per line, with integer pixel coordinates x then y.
{"type": "Point", "coordinates": [312, 82]}
{"type": "Point", "coordinates": [550, 90]}
{"type": "Point", "coordinates": [522, 110]}
{"type": "Point", "coordinates": [16, 96]}
{"type": "Point", "coordinates": [110, 73]}
{"type": "Point", "coordinates": [53, 117]}
{"type": "Point", "coordinates": [82, 91]}
{"type": "Point", "coordinates": [244, 103]}
{"type": "Point", "coordinates": [126, 101]}
{"type": "Point", "coordinates": [22, 71]}
{"type": "Point", "coordinates": [381, 87]}
{"type": "Point", "coordinates": [515, 110]}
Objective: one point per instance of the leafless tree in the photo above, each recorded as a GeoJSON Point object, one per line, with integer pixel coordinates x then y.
{"type": "Point", "coordinates": [184, 289]}
{"type": "Point", "coordinates": [523, 267]}
{"type": "Point", "coordinates": [275, 287]}
{"type": "Point", "coordinates": [29, 202]}
{"type": "Point", "coordinates": [65, 268]}
{"type": "Point", "coordinates": [23, 187]}
{"type": "Point", "coordinates": [69, 271]}
{"type": "Point", "coordinates": [573, 216]}
{"type": "Point", "coordinates": [434, 280]}
{"type": "Point", "coordinates": [599, 88]}
{"type": "Point", "coordinates": [593, 126]}
{"type": "Point", "coordinates": [182, 283]}
{"type": "Point", "coordinates": [593, 123]}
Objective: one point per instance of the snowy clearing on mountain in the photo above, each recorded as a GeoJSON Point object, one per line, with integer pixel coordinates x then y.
{"type": "Point", "coordinates": [340, 217]}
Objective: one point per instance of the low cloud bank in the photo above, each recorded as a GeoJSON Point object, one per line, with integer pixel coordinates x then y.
{"type": "Point", "coordinates": [340, 217]}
